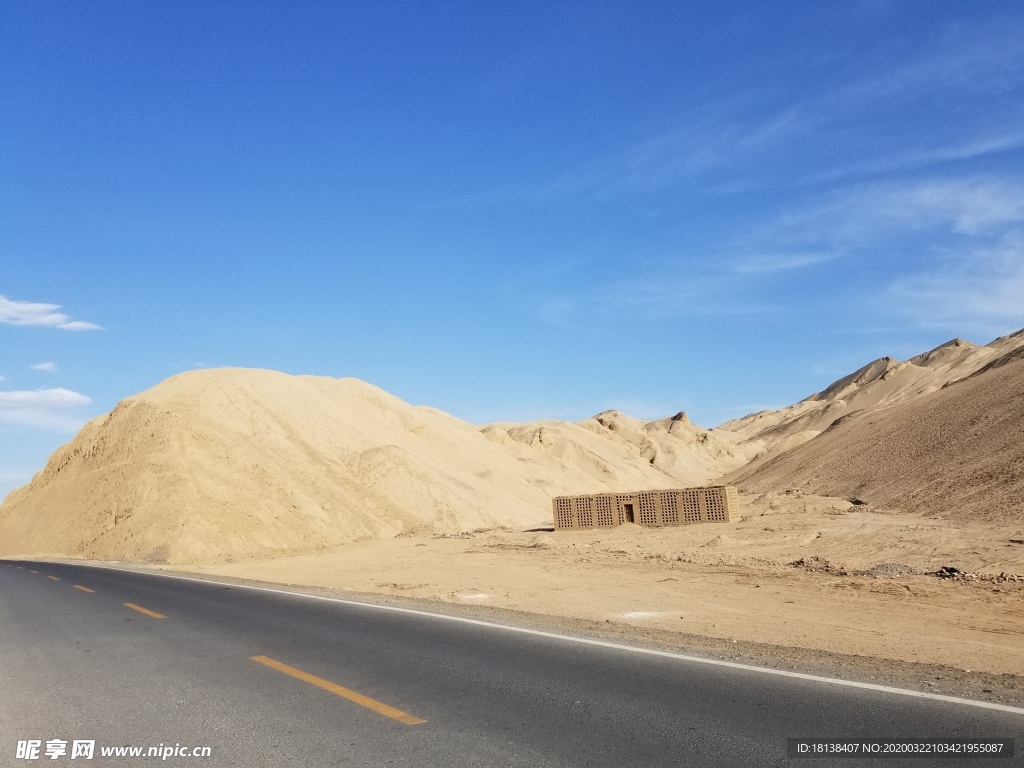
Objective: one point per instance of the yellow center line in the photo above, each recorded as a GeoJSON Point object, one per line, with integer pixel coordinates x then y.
{"type": "Point", "coordinates": [55, 578]}
{"type": "Point", "coordinates": [140, 609]}
{"type": "Point", "coordinates": [84, 589]}
{"type": "Point", "coordinates": [345, 693]}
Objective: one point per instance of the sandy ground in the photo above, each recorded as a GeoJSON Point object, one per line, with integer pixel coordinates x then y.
{"type": "Point", "coordinates": [729, 581]}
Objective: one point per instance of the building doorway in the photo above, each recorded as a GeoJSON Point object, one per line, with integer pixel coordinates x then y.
{"type": "Point", "coordinates": [628, 508]}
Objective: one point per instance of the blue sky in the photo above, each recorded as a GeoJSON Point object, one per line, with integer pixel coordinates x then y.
{"type": "Point", "coordinates": [508, 211]}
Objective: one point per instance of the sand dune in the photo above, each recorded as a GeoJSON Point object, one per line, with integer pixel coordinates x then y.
{"type": "Point", "coordinates": [879, 384]}
{"type": "Point", "coordinates": [956, 453]}
{"type": "Point", "coordinates": [215, 465]}
{"type": "Point", "coordinates": [337, 484]}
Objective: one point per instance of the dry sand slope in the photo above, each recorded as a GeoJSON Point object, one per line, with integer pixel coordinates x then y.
{"type": "Point", "coordinates": [956, 453]}
{"type": "Point", "coordinates": [214, 465]}
{"type": "Point", "coordinates": [863, 587]}
{"type": "Point", "coordinates": [337, 484]}
{"type": "Point", "coordinates": [218, 464]}
{"type": "Point", "coordinates": [882, 383]}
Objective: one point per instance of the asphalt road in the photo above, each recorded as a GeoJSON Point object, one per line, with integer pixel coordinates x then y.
{"type": "Point", "coordinates": [269, 679]}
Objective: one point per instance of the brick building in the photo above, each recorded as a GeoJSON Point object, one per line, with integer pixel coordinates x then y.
{"type": "Point", "coordinates": [676, 506]}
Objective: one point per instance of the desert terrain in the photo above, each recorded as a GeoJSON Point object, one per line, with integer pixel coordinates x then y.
{"type": "Point", "coordinates": [880, 518]}
{"type": "Point", "coordinates": [864, 586]}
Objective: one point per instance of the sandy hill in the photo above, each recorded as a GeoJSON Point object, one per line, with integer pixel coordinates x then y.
{"type": "Point", "coordinates": [956, 452]}
{"type": "Point", "coordinates": [217, 465]}
{"type": "Point", "coordinates": [220, 464]}
{"type": "Point", "coordinates": [879, 384]}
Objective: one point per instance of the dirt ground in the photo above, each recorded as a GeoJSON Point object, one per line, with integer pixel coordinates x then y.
{"type": "Point", "coordinates": [862, 589]}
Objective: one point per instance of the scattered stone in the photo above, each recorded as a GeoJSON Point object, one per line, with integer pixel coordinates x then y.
{"type": "Point", "coordinates": [955, 574]}
{"type": "Point", "coordinates": [889, 571]}
{"type": "Point", "coordinates": [818, 564]}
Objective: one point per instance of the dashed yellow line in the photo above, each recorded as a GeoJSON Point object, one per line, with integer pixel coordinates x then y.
{"type": "Point", "coordinates": [345, 693]}
{"type": "Point", "coordinates": [84, 589]}
{"type": "Point", "coordinates": [53, 577]}
{"type": "Point", "coordinates": [146, 611]}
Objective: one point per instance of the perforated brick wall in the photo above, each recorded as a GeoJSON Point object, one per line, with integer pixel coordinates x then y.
{"type": "Point", "coordinates": [605, 511]}
{"type": "Point", "coordinates": [690, 500]}
{"type": "Point", "coordinates": [563, 513]}
{"type": "Point", "coordinates": [715, 505]}
{"type": "Point", "coordinates": [585, 511]}
{"type": "Point", "coordinates": [646, 513]}
{"type": "Point", "coordinates": [670, 509]}
{"type": "Point", "coordinates": [676, 506]}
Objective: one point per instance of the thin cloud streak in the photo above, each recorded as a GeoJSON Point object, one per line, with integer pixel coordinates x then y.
{"type": "Point", "coordinates": [971, 148]}
{"type": "Point", "coordinates": [983, 290]}
{"type": "Point", "coordinates": [27, 313]}
{"type": "Point", "coordinates": [55, 398]}
{"type": "Point", "coordinates": [754, 265]}
{"type": "Point", "coordinates": [983, 60]}
{"type": "Point", "coordinates": [861, 214]}
{"type": "Point", "coordinates": [46, 409]}
{"type": "Point", "coordinates": [726, 140]}
{"type": "Point", "coordinates": [668, 159]}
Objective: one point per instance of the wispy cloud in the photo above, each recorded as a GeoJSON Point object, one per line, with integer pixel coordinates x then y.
{"type": "Point", "coordinates": [702, 145]}
{"type": "Point", "coordinates": [674, 292]}
{"type": "Point", "coordinates": [45, 367]}
{"type": "Point", "coordinates": [961, 241]}
{"type": "Point", "coordinates": [923, 155]}
{"type": "Point", "coordinates": [778, 262]}
{"type": "Point", "coordinates": [37, 314]}
{"type": "Point", "coordinates": [982, 289]}
{"type": "Point", "coordinates": [946, 229]}
{"type": "Point", "coordinates": [979, 59]}
{"type": "Point", "coordinates": [51, 409]}
{"type": "Point", "coordinates": [751, 139]}
{"type": "Point", "coordinates": [859, 214]}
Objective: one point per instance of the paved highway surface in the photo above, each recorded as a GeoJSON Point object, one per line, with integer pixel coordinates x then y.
{"type": "Point", "coordinates": [270, 679]}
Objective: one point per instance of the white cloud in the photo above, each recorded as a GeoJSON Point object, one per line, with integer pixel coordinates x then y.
{"type": "Point", "coordinates": [716, 139]}
{"type": "Point", "coordinates": [982, 289]}
{"type": "Point", "coordinates": [753, 138]}
{"type": "Point", "coordinates": [50, 409]}
{"type": "Point", "coordinates": [58, 397]}
{"type": "Point", "coordinates": [979, 60]}
{"type": "Point", "coordinates": [863, 213]}
{"type": "Point", "coordinates": [778, 262]}
{"type": "Point", "coordinates": [676, 293]}
{"type": "Point", "coordinates": [34, 313]}
{"type": "Point", "coordinates": [79, 325]}
{"type": "Point", "coordinates": [45, 367]}
{"type": "Point", "coordinates": [920, 156]}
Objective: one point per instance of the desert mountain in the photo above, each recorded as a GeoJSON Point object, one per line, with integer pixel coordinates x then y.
{"type": "Point", "coordinates": [221, 464]}
{"type": "Point", "coordinates": [217, 465]}
{"type": "Point", "coordinates": [879, 384]}
{"type": "Point", "coordinates": [955, 452]}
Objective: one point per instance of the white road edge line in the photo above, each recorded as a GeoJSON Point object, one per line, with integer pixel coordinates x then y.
{"type": "Point", "coordinates": [588, 641]}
